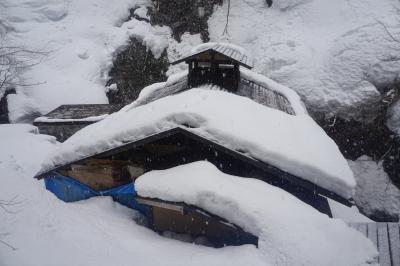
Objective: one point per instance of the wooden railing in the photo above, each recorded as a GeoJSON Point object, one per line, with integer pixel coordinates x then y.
{"type": "Point", "coordinates": [264, 96]}
{"type": "Point", "coordinates": [385, 237]}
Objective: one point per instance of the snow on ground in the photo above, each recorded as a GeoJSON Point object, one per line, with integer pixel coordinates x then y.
{"type": "Point", "coordinates": [375, 193]}
{"type": "Point", "coordinates": [46, 231]}
{"type": "Point", "coordinates": [80, 38]}
{"type": "Point", "coordinates": [330, 52]}
{"type": "Point", "coordinates": [293, 143]}
{"type": "Point", "coordinates": [291, 234]}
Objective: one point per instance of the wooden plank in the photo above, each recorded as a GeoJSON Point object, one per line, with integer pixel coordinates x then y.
{"type": "Point", "coordinates": [362, 228]}
{"type": "Point", "coordinates": [394, 241]}
{"type": "Point", "coordinates": [373, 233]}
{"type": "Point", "coordinates": [383, 245]}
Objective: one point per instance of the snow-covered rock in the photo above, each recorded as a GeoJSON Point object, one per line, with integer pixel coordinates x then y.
{"type": "Point", "coordinates": [375, 195]}
{"type": "Point", "coordinates": [293, 143]}
{"type": "Point", "coordinates": [290, 232]}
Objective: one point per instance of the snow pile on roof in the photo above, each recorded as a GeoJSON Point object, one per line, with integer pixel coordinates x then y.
{"type": "Point", "coordinates": [290, 232]}
{"type": "Point", "coordinates": [333, 53]}
{"type": "Point", "coordinates": [44, 119]}
{"type": "Point", "coordinates": [295, 144]}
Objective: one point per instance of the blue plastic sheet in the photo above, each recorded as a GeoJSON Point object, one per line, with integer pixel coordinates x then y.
{"type": "Point", "coordinates": [70, 190]}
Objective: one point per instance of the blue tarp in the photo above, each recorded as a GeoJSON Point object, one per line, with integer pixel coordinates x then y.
{"type": "Point", "coordinates": [70, 190]}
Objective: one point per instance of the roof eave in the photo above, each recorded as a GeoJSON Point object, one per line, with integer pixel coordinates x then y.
{"type": "Point", "coordinates": [259, 164]}
{"type": "Point", "coordinates": [187, 58]}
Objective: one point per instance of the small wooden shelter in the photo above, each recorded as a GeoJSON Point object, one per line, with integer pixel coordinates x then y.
{"type": "Point", "coordinates": [218, 64]}
{"type": "Point", "coordinates": [67, 119]}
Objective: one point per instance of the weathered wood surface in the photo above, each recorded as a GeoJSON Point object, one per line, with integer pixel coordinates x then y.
{"type": "Point", "coordinates": [385, 237]}
{"type": "Point", "coordinates": [229, 52]}
{"type": "Point", "coordinates": [247, 88]}
{"type": "Point", "coordinates": [170, 89]}
{"type": "Point", "coordinates": [264, 96]}
{"type": "Point", "coordinates": [80, 111]}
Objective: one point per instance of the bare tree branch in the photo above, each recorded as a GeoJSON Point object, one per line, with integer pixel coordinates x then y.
{"type": "Point", "coordinates": [14, 60]}
{"type": "Point", "coordinates": [227, 18]}
{"type": "Point", "coordinates": [8, 245]}
{"type": "Point", "coordinates": [388, 32]}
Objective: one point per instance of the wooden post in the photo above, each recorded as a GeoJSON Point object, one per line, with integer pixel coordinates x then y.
{"type": "Point", "coordinates": [237, 76]}
{"type": "Point", "coordinates": [190, 65]}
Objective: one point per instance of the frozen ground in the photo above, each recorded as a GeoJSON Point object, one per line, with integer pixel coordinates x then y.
{"type": "Point", "coordinates": [46, 231]}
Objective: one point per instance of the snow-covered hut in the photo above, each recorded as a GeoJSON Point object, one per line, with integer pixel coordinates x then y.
{"type": "Point", "coordinates": [260, 131]}
{"type": "Point", "coordinates": [65, 120]}
{"type": "Point", "coordinates": [216, 63]}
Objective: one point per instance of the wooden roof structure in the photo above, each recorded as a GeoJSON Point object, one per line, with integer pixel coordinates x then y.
{"type": "Point", "coordinates": [224, 50]}
{"type": "Point", "coordinates": [385, 237]}
{"type": "Point", "coordinates": [274, 175]}
{"type": "Point", "coordinates": [81, 111]}
{"type": "Point", "coordinates": [247, 88]}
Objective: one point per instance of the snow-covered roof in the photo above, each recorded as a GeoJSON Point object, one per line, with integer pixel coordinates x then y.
{"type": "Point", "coordinates": [288, 229]}
{"type": "Point", "coordinates": [252, 85]}
{"type": "Point", "coordinates": [293, 143]}
{"type": "Point", "coordinates": [78, 112]}
{"type": "Point", "coordinates": [230, 50]}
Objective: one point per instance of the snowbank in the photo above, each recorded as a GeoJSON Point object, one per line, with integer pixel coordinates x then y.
{"type": "Point", "coordinates": [333, 53]}
{"type": "Point", "coordinates": [290, 232]}
{"type": "Point", "coordinates": [295, 144]}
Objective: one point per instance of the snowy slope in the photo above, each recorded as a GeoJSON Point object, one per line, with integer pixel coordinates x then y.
{"type": "Point", "coordinates": [80, 38]}
{"type": "Point", "coordinates": [330, 52]}
{"type": "Point", "coordinates": [293, 143]}
{"type": "Point", "coordinates": [291, 234]}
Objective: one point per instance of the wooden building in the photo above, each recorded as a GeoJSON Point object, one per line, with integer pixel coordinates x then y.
{"type": "Point", "coordinates": [120, 166]}
{"type": "Point", "coordinates": [216, 64]}
{"type": "Point", "coordinates": [65, 120]}
{"type": "Point", "coordinates": [115, 169]}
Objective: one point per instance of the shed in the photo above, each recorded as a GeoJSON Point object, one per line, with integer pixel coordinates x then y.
{"type": "Point", "coordinates": [65, 120]}
{"type": "Point", "coordinates": [216, 63]}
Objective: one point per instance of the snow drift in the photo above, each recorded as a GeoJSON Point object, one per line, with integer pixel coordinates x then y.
{"type": "Point", "coordinates": [290, 232]}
